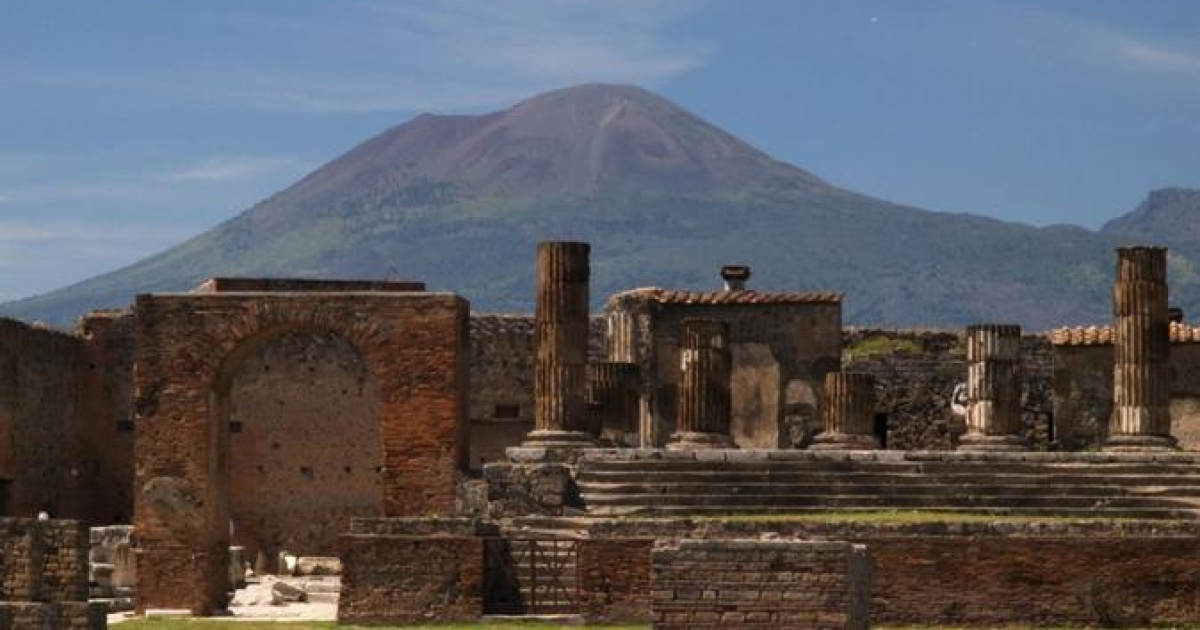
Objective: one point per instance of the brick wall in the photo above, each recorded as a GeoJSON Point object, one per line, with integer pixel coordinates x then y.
{"type": "Point", "coordinates": [103, 443]}
{"type": "Point", "coordinates": [760, 584]}
{"type": "Point", "coordinates": [1095, 573]}
{"type": "Point", "coordinates": [39, 382]}
{"type": "Point", "coordinates": [398, 571]}
{"type": "Point", "coordinates": [43, 561]}
{"type": "Point", "coordinates": [190, 348]}
{"type": "Point", "coordinates": [614, 579]}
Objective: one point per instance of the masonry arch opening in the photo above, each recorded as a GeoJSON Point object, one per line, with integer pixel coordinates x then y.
{"type": "Point", "coordinates": [300, 410]}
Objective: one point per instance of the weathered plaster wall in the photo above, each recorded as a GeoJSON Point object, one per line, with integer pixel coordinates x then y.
{"type": "Point", "coordinates": [1083, 381]}
{"type": "Point", "coordinates": [502, 362]}
{"type": "Point", "coordinates": [305, 447]}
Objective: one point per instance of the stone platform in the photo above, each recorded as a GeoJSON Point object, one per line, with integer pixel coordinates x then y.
{"type": "Point", "coordinates": [616, 482]}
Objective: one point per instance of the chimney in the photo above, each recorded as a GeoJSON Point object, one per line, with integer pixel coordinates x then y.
{"type": "Point", "coordinates": [1175, 314]}
{"type": "Point", "coordinates": [735, 277]}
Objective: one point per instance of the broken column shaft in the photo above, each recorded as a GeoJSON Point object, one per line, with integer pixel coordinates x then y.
{"type": "Point", "coordinates": [704, 399]}
{"type": "Point", "coordinates": [848, 413]}
{"type": "Point", "coordinates": [561, 322]}
{"type": "Point", "coordinates": [614, 400]}
{"type": "Point", "coordinates": [993, 389]}
{"type": "Point", "coordinates": [1141, 417]}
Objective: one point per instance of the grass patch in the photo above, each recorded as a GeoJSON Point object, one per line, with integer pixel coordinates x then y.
{"type": "Point", "coordinates": [880, 344]}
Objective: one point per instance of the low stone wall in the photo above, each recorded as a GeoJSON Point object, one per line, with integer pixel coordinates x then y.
{"type": "Point", "coordinates": [614, 579]}
{"type": "Point", "coordinates": [1123, 573]}
{"type": "Point", "coordinates": [399, 571]}
{"type": "Point", "coordinates": [522, 489]}
{"type": "Point", "coordinates": [760, 584]}
{"type": "Point", "coordinates": [43, 576]}
{"type": "Point", "coordinates": [57, 616]}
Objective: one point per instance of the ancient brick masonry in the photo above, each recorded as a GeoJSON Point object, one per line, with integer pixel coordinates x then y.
{"type": "Point", "coordinates": [562, 343]}
{"type": "Point", "coordinates": [401, 571]}
{"type": "Point", "coordinates": [190, 347]}
{"type": "Point", "coordinates": [760, 584]}
{"type": "Point", "coordinates": [1141, 416]}
{"type": "Point", "coordinates": [849, 412]}
{"type": "Point", "coordinates": [993, 388]}
{"type": "Point", "coordinates": [704, 405]}
{"type": "Point", "coordinates": [43, 576]}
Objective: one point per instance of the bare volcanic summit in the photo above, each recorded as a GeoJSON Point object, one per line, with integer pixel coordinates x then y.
{"type": "Point", "coordinates": [665, 198]}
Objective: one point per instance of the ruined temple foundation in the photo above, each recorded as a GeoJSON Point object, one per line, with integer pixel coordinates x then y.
{"type": "Point", "coordinates": [703, 419]}
{"type": "Point", "coordinates": [561, 329]}
{"type": "Point", "coordinates": [993, 389]}
{"type": "Point", "coordinates": [614, 401]}
{"type": "Point", "coordinates": [1141, 417]}
{"type": "Point", "coordinates": [849, 413]}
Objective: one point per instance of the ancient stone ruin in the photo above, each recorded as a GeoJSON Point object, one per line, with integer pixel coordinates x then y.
{"type": "Point", "coordinates": [453, 465]}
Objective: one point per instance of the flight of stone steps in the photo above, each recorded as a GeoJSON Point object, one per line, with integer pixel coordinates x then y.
{"type": "Point", "coordinates": [642, 482]}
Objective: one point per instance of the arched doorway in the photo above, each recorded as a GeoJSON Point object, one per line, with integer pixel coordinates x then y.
{"type": "Point", "coordinates": [302, 412]}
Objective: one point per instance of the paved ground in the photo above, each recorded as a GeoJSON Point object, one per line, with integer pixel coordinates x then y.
{"type": "Point", "coordinates": [257, 600]}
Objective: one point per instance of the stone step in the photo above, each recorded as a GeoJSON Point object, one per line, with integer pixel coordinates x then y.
{"type": "Point", "coordinates": [591, 490]}
{"type": "Point", "coordinates": [1043, 478]}
{"type": "Point", "coordinates": [783, 511]}
{"type": "Point", "coordinates": [897, 501]}
{"type": "Point", "coordinates": [911, 467]}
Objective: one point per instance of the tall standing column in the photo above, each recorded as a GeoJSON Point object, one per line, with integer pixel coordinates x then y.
{"type": "Point", "coordinates": [561, 322]}
{"type": "Point", "coordinates": [1141, 416]}
{"type": "Point", "coordinates": [614, 398]}
{"type": "Point", "coordinates": [993, 389]}
{"type": "Point", "coordinates": [704, 401]}
{"type": "Point", "coordinates": [849, 413]}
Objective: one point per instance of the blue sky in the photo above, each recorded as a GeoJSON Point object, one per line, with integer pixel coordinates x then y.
{"type": "Point", "coordinates": [126, 127]}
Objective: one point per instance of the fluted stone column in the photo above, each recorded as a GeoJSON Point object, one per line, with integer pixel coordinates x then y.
{"type": "Point", "coordinates": [993, 389]}
{"type": "Point", "coordinates": [561, 322]}
{"type": "Point", "coordinates": [614, 400]}
{"type": "Point", "coordinates": [704, 401]}
{"type": "Point", "coordinates": [1141, 416]}
{"type": "Point", "coordinates": [849, 413]}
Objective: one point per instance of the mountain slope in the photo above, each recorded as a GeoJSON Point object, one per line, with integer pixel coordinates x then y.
{"type": "Point", "coordinates": [1170, 215]}
{"type": "Point", "coordinates": [664, 197]}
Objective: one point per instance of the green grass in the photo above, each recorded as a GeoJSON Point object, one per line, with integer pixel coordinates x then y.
{"type": "Point", "coordinates": [880, 344]}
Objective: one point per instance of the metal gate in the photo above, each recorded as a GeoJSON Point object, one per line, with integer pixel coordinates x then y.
{"type": "Point", "coordinates": [531, 576]}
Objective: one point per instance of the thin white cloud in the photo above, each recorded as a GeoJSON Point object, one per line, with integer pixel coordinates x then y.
{"type": "Point", "coordinates": [230, 168]}
{"type": "Point", "coordinates": [33, 232]}
{"type": "Point", "coordinates": [1155, 56]}
{"type": "Point", "coordinates": [447, 55]}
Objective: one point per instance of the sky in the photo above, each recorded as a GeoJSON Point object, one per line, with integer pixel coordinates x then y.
{"type": "Point", "coordinates": [127, 127]}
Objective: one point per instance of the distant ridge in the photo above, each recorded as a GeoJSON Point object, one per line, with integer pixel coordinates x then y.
{"type": "Point", "coordinates": [664, 197]}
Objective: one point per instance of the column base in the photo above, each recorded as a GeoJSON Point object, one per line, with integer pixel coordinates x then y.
{"type": "Point", "coordinates": [1140, 443]}
{"type": "Point", "coordinates": [690, 440]}
{"type": "Point", "coordinates": [550, 446]}
{"type": "Point", "coordinates": [844, 442]}
{"type": "Point", "coordinates": [981, 442]}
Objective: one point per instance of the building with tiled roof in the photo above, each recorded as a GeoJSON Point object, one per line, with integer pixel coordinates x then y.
{"type": "Point", "coordinates": [782, 345]}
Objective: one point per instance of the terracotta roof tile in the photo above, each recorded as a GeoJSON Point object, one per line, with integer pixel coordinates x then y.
{"type": "Point", "coordinates": [671, 296]}
{"type": "Point", "coordinates": [1103, 335]}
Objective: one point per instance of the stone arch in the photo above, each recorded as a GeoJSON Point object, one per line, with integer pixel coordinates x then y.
{"type": "Point", "coordinates": [300, 410]}
{"type": "Point", "coordinates": [189, 348]}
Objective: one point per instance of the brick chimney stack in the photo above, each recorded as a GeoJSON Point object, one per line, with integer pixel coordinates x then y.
{"type": "Point", "coordinates": [735, 277]}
